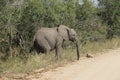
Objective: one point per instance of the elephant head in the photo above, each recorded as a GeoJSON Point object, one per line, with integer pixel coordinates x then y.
{"type": "Point", "coordinates": [69, 34]}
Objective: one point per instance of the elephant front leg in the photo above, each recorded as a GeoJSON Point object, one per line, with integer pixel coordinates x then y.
{"type": "Point", "coordinates": [58, 48]}
{"type": "Point", "coordinates": [58, 52]}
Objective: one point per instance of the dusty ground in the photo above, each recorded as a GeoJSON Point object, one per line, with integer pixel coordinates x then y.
{"type": "Point", "coordinates": [102, 67]}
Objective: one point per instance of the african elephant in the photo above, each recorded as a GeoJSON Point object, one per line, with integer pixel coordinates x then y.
{"type": "Point", "coordinates": [48, 39]}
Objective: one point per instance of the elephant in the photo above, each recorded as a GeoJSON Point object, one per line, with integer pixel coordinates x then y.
{"type": "Point", "coordinates": [48, 39]}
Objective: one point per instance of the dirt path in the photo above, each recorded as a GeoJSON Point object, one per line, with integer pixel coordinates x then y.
{"type": "Point", "coordinates": [103, 67]}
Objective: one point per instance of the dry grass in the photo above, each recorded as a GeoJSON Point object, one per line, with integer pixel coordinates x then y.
{"type": "Point", "coordinates": [33, 62]}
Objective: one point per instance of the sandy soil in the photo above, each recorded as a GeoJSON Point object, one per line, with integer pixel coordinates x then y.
{"type": "Point", "coordinates": [102, 67]}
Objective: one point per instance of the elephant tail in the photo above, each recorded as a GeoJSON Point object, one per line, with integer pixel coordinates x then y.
{"type": "Point", "coordinates": [32, 48]}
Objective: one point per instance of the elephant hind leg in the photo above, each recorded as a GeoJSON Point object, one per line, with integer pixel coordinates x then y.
{"type": "Point", "coordinates": [44, 46]}
{"type": "Point", "coordinates": [47, 48]}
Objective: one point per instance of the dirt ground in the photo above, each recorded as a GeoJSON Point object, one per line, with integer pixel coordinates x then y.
{"type": "Point", "coordinates": [102, 67]}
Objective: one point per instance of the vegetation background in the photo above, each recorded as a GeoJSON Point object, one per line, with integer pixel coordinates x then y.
{"type": "Point", "coordinates": [98, 26]}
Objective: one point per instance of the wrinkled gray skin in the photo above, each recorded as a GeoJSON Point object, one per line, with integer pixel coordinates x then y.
{"type": "Point", "coordinates": [48, 39]}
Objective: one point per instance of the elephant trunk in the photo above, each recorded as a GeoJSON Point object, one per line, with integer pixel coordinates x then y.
{"type": "Point", "coordinates": [77, 50]}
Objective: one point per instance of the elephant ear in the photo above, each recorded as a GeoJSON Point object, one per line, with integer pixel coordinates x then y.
{"type": "Point", "coordinates": [73, 35]}
{"type": "Point", "coordinates": [64, 31]}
